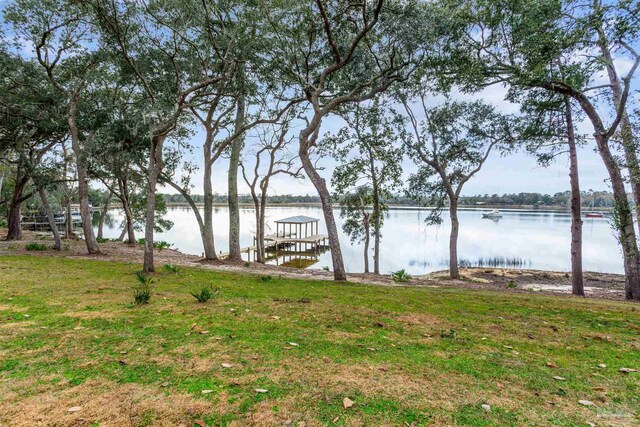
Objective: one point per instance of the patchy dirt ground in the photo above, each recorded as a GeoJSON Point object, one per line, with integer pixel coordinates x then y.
{"type": "Point", "coordinates": [597, 285]}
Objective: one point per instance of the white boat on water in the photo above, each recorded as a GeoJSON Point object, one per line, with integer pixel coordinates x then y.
{"type": "Point", "coordinates": [494, 214]}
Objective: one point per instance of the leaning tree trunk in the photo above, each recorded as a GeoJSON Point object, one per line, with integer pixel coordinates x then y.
{"type": "Point", "coordinates": [626, 130]}
{"type": "Point", "coordinates": [259, 226]}
{"type": "Point", "coordinates": [623, 222]}
{"type": "Point", "coordinates": [153, 172]}
{"type": "Point", "coordinates": [57, 243]}
{"type": "Point", "coordinates": [234, 207]}
{"type": "Point", "coordinates": [83, 183]}
{"type": "Point", "coordinates": [577, 283]}
{"type": "Point", "coordinates": [14, 216]}
{"type": "Point", "coordinates": [126, 205]}
{"type": "Point", "coordinates": [453, 238]}
{"type": "Point", "coordinates": [339, 272]}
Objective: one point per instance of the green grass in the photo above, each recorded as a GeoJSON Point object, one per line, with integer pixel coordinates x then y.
{"type": "Point", "coordinates": [431, 356]}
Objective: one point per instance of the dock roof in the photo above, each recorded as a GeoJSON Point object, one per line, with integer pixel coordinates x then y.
{"type": "Point", "coordinates": [298, 219]}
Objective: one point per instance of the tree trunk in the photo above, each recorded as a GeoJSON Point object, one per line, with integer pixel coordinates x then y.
{"type": "Point", "coordinates": [103, 215]}
{"type": "Point", "coordinates": [153, 172]}
{"type": "Point", "coordinates": [208, 241]}
{"type": "Point", "coordinates": [339, 272]}
{"type": "Point", "coordinates": [1, 179]}
{"type": "Point", "coordinates": [14, 216]}
{"type": "Point", "coordinates": [68, 220]}
{"type": "Point", "coordinates": [263, 207]}
{"type": "Point", "coordinates": [453, 238]}
{"type": "Point", "coordinates": [623, 222]}
{"type": "Point", "coordinates": [126, 205]}
{"type": "Point", "coordinates": [259, 224]}
{"type": "Point", "coordinates": [83, 183]}
{"type": "Point", "coordinates": [626, 131]}
{"type": "Point", "coordinates": [68, 224]}
{"type": "Point", "coordinates": [376, 225]}
{"type": "Point", "coordinates": [577, 285]}
{"type": "Point", "coordinates": [57, 243]}
{"type": "Point", "coordinates": [122, 234]}
{"type": "Point", "coordinates": [234, 207]}
{"type": "Point", "coordinates": [367, 232]}
{"type": "Point", "coordinates": [194, 208]}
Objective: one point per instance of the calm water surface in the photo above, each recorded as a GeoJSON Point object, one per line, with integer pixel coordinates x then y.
{"type": "Point", "coordinates": [540, 239]}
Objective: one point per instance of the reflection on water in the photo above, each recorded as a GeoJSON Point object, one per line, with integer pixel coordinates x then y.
{"type": "Point", "coordinates": [540, 239]}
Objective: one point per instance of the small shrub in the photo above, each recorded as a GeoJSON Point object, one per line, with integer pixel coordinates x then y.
{"type": "Point", "coordinates": [101, 240]}
{"type": "Point", "coordinates": [266, 278]}
{"type": "Point", "coordinates": [247, 264]}
{"type": "Point", "coordinates": [142, 292]}
{"type": "Point", "coordinates": [205, 294]}
{"type": "Point", "coordinates": [400, 276]}
{"type": "Point", "coordinates": [3, 223]}
{"type": "Point", "coordinates": [171, 268]}
{"type": "Point", "coordinates": [325, 268]}
{"type": "Point", "coordinates": [35, 246]}
{"type": "Point", "coordinates": [512, 284]}
{"type": "Point", "coordinates": [451, 334]}
{"type": "Point", "coordinates": [160, 244]}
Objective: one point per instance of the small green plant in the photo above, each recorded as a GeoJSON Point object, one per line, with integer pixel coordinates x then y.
{"type": "Point", "coordinates": [101, 240]}
{"type": "Point", "coordinates": [400, 276]}
{"type": "Point", "coordinates": [171, 268]}
{"type": "Point", "coordinates": [512, 284]}
{"type": "Point", "coordinates": [247, 264]}
{"type": "Point", "coordinates": [3, 223]}
{"type": "Point", "coordinates": [451, 334]}
{"type": "Point", "coordinates": [265, 278]}
{"type": "Point", "coordinates": [35, 246]}
{"type": "Point", "coordinates": [205, 293]}
{"type": "Point", "coordinates": [142, 292]}
{"type": "Point", "coordinates": [325, 268]}
{"type": "Point", "coordinates": [162, 245]}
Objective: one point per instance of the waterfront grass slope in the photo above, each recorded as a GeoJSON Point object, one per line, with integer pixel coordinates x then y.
{"type": "Point", "coordinates": [264, 350]}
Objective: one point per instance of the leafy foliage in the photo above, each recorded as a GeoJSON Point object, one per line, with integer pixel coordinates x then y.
{"type": "Point", "coordinates": [171, 268]}
{"type": "Point", "coordinates": [35, 246]}
{"type": "Point", "coordinates": [400, 276]}
{"type": "Point", "coordinates": [142, 291]}
{"type": "Point", "coordinates": [205, 293]}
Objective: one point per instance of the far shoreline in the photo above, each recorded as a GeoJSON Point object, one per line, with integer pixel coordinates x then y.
{"type": "Point", "coordinates": [522, 208]}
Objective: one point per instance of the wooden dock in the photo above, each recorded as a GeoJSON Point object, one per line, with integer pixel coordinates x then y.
{"type": "Point", "coordinates": [315, 239]}
{"type": "Point", "coordinates": [286, 245]}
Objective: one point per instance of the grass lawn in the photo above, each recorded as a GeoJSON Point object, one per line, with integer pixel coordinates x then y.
{"type": "Point", "coordinates": [70, 336]}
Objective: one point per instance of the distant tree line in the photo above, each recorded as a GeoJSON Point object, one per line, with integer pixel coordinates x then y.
{"type": "Point", "coordinates": [242, 198]}
{"type": "Point", "coordinates": [596, 199]}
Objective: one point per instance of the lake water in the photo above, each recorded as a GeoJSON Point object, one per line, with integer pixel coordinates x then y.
{"type": "Point", "coordinates": [539, 240]}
